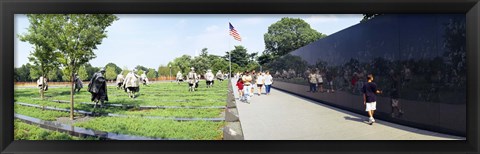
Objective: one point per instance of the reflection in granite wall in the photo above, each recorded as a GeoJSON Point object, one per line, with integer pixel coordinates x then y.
{"type": "Point", "coordinates": [418, 60]}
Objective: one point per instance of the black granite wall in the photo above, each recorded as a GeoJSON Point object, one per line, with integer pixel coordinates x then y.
{"type": "Point", "coordinates": [423, 56]}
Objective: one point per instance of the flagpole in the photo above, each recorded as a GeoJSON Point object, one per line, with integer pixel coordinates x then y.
{"type": "Point", "coordinates": [229, 57]}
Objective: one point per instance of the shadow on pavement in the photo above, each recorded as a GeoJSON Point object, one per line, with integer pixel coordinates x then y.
{"type": "Point", "coordinates": [354, 119]}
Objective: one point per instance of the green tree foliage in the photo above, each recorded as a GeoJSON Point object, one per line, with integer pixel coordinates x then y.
{"type": "Point", "coordinates": [74, 36]}
{"type": "Point", "coordinates": [23, 73]}
{"type": "Point", "coordinates": [139, 72]}
{"type": "Point", "coordinates": [34, 73]}
{"type": "Point", "coordinates": [90, 70]}
{"type": "Point", "coordinates": [164, 70]}
{"type": "Point", "coordinates": [152, 73]}
{"type": "Point", "coordinates": [82, 73]}
{"type": "Point", "coordinates": [117, 69]}
{"type": "Point", "coordinates": [287, 35]}
{"type": "Point", "coordinates": [239, 56]}
{"type": "Point", "coordinates": [182, 63]}
{"type": "Point", "coordinates": [264, 59]}
{"type": "Point", "coordinates": [139, 67]}
{"type": "Point", "coordinates": [110, 73]}
{"type": "Point", "coordinates": [43, 55]}
{"type": "Point", "coordinates": [369, 16]}
{"type": "Point", "coordinates": [125, 71]}
{"type": "Point", "coordinates": [66, 74]}
{"type": "Point", "coordinates": [219, 63]}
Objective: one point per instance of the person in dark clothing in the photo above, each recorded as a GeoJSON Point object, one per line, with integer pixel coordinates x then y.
{"type": "Point", "coordinates": [98, 88]}
{"type": "Point", "coordinates": [370, 91]}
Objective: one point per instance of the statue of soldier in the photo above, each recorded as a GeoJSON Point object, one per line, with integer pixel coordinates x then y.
{"type": "Point", "coordinates": [179, 77]}
{"type": "Point", "coordinates": [209, 77]}
{"type": "Point", "coordinates": [98, 88]}
{"type": "Point", "coordinates": [219, 75]}
{"type": "Point", "coordinates": [120, 80]}
{"type": "Point", "coordinates": [192, 79]}
{"type": "Point", "coordinates": [144, 78]}
{"type": "Point", "coordinates": [78, 83]}
{"type": "Point", "coordinates": [42, 83]}
{"type": "Point", "coordinates": [131, 84]}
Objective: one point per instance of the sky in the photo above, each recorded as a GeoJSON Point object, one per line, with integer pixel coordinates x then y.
{"type": "Point", "coordinates": [154, 40]}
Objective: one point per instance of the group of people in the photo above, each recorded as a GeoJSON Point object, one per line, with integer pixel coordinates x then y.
{"type": "Point", "coordinates": [248, 80]}
{"type": "Point", "coordinates": [193, 78]}
{"type": "Point", "coordinates": [316, 80]}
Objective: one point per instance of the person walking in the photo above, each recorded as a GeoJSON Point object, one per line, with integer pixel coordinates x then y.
{"type": "Point", "coordinates": [268, 82]}
{"type": "Point", "coordinates": [370, 91]}
{"type": "Point", "coordinates": [240, 89]}
{"type": "Point", "coordinates": [254, 78]}
{"type": "Point", "coordinates": [247, 86]}
{"type": "Point", "coordinates": [260, 82]}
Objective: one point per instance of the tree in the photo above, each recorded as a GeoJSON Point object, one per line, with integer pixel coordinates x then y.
{"type": "Point", "coordinates": [201, 64]}
{"type": "Point", "coordinates": [369, 16]}
{"type": "Point", "coordinates": [76, 36]}
{"type": "Point", "coordinates": [264, 59]}
{"type": "Point", "coordinates": [125, 71]}
{"type": "Point", "coordinates": [139, 67]}
{"type": "Point", "coordinates": [151, 73]}
{"type": "Point", "coordinates": [287, 35]}
{"type": "Point", "coordinates": [90, 70]}
{"type": "Point", "coordinates": [163, 70]}
{"type": "Point", "coordinates": [82, 73]}
{"type": "Point", "coordinates": [117, 69]}
{"type": "Point", "coordinates": [44, 56]}
{"type": "Point", "coordinates": [218, 63]}
{"type": "Point", "coordinates": [182, 63]}
{"type": "Point", "coordinates": [23, 73]}
{"type": "Point", "coordinates": [110, 73]}
{"type": "Point", "coordinates": [239, 56]}
{"type": "Point", "coordinates": [204, 52]}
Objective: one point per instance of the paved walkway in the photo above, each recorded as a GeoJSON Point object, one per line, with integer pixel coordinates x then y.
{"type": "Point", "coordinates": [283, 116]}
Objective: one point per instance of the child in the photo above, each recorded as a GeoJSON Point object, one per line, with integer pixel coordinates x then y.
{"type": "Point", "coordinates": [240, 88]}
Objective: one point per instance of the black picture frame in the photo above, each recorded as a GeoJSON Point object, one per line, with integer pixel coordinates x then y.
{"type": "Point", "coordinates": [10, 7]}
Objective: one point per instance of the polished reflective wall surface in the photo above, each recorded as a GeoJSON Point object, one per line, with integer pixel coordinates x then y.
{"type": "Point", "coordinates": [417, 60]}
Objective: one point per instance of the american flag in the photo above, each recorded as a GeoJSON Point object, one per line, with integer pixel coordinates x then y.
{"type": "Point", "coordinates": [234, 33]}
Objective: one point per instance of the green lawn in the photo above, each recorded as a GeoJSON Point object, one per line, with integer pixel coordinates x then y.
{"type": "Point", "coordinates": [156, 94]}
{"type": "Point", "coordinates": [25, 131]}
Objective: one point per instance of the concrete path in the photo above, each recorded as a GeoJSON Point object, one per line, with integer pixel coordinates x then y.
{"type": "Point", "coordinates": [283, 116]}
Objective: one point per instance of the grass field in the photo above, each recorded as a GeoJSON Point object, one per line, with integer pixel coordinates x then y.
{"type": "Point", "coordinates": [25, 131]}
{"type": "Point", "coordinates": [155, 94]}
